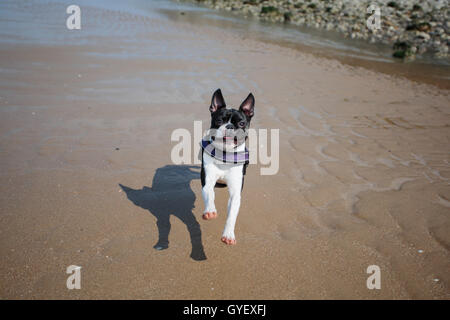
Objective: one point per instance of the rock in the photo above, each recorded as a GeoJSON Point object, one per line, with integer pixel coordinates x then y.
{"type": "Point", "coordinates": [424, 26]}
{"type": "Point", "coordinates": [269, 10]}
{"type": "Point", "coordinates": [423, 35]}
{"type": "Point", "coordinates": [403, 50]}
{"type": "Point", "coordinates": [393, 4]}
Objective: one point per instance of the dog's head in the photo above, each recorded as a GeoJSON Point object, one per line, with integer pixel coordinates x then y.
{"type": "Point", "coordinates": [229, 127]}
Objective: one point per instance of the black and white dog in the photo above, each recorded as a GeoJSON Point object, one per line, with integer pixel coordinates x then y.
{"type": "Point", "coordinates": [225, 158]}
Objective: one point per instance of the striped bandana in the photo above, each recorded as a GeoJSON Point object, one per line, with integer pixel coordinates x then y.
{"type": "Point", "coordinates": [224, 156]}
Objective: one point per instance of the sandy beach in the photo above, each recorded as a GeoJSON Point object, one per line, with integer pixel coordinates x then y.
{"type": "Point", "coordinates": [86, 118]}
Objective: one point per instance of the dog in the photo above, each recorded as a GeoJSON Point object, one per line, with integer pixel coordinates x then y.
{"type": "Point", "coordinates": [225, 158]}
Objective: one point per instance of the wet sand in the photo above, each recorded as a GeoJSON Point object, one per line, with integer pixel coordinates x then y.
{"type": "Point", "coordinates": [85, 125]}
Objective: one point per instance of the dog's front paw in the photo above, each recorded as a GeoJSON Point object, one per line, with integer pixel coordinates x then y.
{"type": "Point", "coordinates": [209, 215]}
{"type": "Point", "coordinates": [228, 237]}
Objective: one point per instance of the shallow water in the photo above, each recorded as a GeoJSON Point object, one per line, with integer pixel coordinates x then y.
{"type": "Point", "coordinates": [330, 44]}
{"type": "Point", "coordinates": [33, 23]}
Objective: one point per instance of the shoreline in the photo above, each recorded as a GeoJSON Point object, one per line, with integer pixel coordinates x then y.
{"type": "Point", "coordinates": [365, 55]}
{"type": "Point", "coordinates": [410, 28]}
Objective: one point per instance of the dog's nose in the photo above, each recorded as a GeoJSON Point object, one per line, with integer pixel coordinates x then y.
{"type": "Point", "coordinates": [229, 126]}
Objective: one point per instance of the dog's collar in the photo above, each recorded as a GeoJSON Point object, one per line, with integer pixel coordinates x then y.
{"type": "Point", "coordinates": [225, 156]}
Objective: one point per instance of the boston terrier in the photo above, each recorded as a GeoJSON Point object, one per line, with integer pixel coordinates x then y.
{"type": "Point", "coordinates": [225, 158]}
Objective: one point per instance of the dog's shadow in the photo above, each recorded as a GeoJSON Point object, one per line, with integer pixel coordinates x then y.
{"type": "Point", "coordinates": [171, 194]}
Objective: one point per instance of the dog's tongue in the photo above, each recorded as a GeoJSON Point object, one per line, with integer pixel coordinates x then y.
{"type": "Point", "coordinates": [229, 140]}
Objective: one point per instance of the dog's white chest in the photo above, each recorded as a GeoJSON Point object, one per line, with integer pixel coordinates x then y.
{"type": "Point", "coordinates": [221, 171]}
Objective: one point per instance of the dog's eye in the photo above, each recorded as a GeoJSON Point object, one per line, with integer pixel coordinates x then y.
{"type": "Point", "coordinates": [242, 124]}
{"type": "Point", "coordinates": [219, 122]}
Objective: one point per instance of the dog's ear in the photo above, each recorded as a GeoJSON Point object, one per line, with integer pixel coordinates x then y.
{"type": "Point", "coordinates": [248, 106]}
{"type": "Point", "coordinates": [217, 101]}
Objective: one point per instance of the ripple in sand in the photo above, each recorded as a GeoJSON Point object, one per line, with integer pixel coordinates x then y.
{"type": "Point", "coordinates": [273, 112]}
{"type": "Point", "coordinates": [306, 131]}
{"type": "Point", "coordinates": [419, 159]}
{"type": "Point", "coordinates": [357, 134]}
{"type": "Point", "coordinates": [396, 184]}
{"type": "Point", "coordinates": [300, 178]}
{"type": "Point", "coordinates": [386, 162]}
{"type": "Point", "coordinates": [328, 129]}
{"type": "Point", "coordinates": [438, 174]}
{"type": "Point", "coordinates": [355, 158]}
{"type": "Point", "coordinates": [317, 167]}
{"type": "Point", "coordinates": [429, 179]}
{"type": "Point", "coordinates": [403, 162]}
{"type": "Point", "coordinates": [320, 150]}
{"type": "Point", "coordinates": [351, 196]}
{"type": "Point", "coordinates": [443, 201]}
{"type": "Point", "coordinates": [310, 113]}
